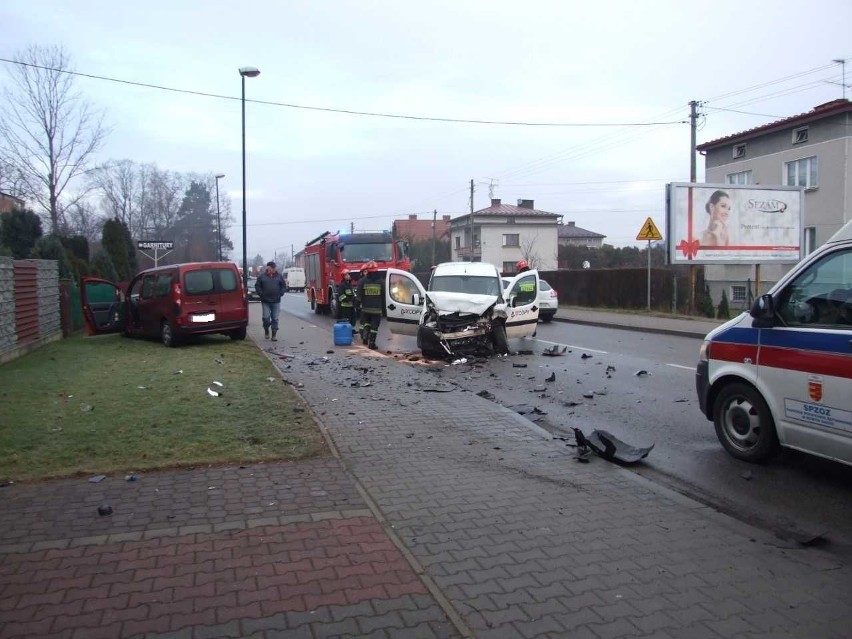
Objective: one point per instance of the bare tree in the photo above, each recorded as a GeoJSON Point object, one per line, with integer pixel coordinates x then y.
{"type": "Point", "coordinates": [81, 218]}
{"type": "Point", "coordinates": [527, 245]}
{"type": "Point", "coordinates": [117, 184]}
{"type": "Point", "coordinates": [164, 196]}
{"type": "Point", "coordinates": [48, 132]}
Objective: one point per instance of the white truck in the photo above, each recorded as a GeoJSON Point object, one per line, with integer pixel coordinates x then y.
{"type": "Point", "coordinates": [295, 277]}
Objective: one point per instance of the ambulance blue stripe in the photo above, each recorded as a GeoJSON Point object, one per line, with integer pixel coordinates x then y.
{"type": "Point", "coordinates": [809, 340]}
{"type": "Point", "coordinates": [739, 335]}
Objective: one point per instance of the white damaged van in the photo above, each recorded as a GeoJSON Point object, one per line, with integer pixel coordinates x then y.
{"type": "Point", "coordinates": [781, 375]}
{"type": "Point", "coordinates": [464, 311]}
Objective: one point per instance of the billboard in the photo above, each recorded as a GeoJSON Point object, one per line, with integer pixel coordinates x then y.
{"type": "Point", "coordinates": [733, 224]}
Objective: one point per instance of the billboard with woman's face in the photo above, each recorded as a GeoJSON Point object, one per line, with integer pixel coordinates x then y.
{"type": "Point", "coordinates": [733, 224]}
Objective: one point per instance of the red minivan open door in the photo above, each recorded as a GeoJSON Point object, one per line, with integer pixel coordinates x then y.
{"type": "Point", "coordinates": [103, 306]}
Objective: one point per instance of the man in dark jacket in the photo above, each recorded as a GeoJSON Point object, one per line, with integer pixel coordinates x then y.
{"type": "Point", "coordinates": [371, 295]}
{"type": "Point", "coordinates": [270, 286]}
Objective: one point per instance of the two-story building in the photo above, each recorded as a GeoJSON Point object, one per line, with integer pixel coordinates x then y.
{"type": "Point", "coordinates": [502, 234]}
{"type": "Point", "coordinates": [813, 150]}
{"type": "Point", "coordinates": [572, 235]}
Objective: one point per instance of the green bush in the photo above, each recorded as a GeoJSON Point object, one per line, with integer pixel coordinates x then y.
{"type": "Point", "coordinates": [19, 231]}
{"type": "Point", "coordinates": [102, 266]}
{"type": "Point", "coordinates": [50, 247]}
{"type": "Point", "coordinates": [705, 303]}
{"type": "Point", "coordinates": [723, 311]}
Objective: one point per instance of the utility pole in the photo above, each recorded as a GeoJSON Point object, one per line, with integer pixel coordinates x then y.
{"type": "Point", "coordinates": [693, 120]}
{"type": "Point", "coordinates": [434, 235]}
{"type": "Point", "coordinates": [470, 226]}
{"type": "Point", "coordinates": [842, 63]}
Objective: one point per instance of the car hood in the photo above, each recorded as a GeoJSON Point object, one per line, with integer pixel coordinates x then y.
{"type": "Point", "coordinates": [448, 303]}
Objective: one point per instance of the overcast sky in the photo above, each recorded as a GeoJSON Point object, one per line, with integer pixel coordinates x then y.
{"type": "Point", "coordinates": [551, 61]}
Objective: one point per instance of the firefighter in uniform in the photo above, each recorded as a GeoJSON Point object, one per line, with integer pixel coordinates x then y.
{"type": "Point", "coordinates": [346, 299]}
{"type": "Point", "coordinates": [371, 295]}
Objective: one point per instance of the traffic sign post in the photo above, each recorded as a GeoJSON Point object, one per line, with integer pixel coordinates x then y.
{"type": "Point", "coordinates": [650, 232]}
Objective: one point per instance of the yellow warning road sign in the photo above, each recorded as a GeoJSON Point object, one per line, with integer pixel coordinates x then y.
{"type": "Point", "coordinates": [649, 231]}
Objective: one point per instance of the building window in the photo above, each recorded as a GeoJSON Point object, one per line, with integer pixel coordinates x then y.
{"type": "Point", "coordinates": [739, 151]}
{"type": "Point", "coordinates": [509, 267]}
{"type": "Point", "coordinates": [511, 239]}
{"type": "Point", "coordinates": [802, 173]}
{"type": "Point", "coordinates": [738, 295]}
{"type": "Point", "coordinates": [510, 220]}
{"type": "Point", "coordinates": [458, 241]}
{"type": "Point", "coordinates": [810, 240]}
{"type": "Point", "coordinates": [743, 177]}
{"type": "Point", "coordinates": [800, 135]}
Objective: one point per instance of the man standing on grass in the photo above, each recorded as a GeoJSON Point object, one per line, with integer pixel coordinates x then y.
{"type": "Point", "coordinates": [270, 286]}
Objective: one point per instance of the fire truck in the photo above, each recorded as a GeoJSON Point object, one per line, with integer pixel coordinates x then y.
{"type": "Point", "coordinates": [327, 257]}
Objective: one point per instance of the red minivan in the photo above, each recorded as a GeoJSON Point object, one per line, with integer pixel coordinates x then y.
{"type": "Point", "coordinates": [169, 302]}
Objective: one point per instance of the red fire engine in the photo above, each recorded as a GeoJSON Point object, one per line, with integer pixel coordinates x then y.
{"type": "Point", "coordinates": [327, 257]}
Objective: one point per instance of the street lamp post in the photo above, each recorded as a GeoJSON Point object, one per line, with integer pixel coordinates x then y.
{"type": "Point", "coordinates": [218, 219]}
{"type": "Point", "coordinates": [245, 72]}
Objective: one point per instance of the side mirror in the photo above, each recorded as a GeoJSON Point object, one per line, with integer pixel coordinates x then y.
{"type": "Point", "coordinates": [415, 299]}
{"type": "Point", "coordinates": [763, 312]}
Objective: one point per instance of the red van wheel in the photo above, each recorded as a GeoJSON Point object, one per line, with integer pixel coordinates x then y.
{"type": "Point", "coordinates": [167, 334]}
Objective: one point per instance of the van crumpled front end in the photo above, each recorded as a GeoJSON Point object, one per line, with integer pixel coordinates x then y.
{"type": "Point", "coordinates": [450, 334]}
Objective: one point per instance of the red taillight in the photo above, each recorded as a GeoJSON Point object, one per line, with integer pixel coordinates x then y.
{"type": "Point", "coordinates": [176, 294]}
{"type": "Point", "coordinates": [553, 293]}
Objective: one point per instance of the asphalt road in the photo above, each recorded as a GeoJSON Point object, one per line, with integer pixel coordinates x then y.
{"type": "Point", "coordinates": [796, 496]}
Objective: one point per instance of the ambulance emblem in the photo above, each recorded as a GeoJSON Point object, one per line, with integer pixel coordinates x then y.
{"type": "Point", "coordinates": [815, 388]}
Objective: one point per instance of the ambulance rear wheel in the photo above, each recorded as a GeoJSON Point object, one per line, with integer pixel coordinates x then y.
{"type": "Point", "coordinates": [744, 424]}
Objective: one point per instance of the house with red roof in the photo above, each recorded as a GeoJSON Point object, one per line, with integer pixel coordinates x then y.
{"type": "Point", "coordinates": [503, 234]}
{"type": "Point", "coordinates": [417, 230]}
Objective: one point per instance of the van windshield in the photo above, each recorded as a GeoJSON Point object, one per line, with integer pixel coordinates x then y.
{"type": "Point", "coordinates": [471, 284]}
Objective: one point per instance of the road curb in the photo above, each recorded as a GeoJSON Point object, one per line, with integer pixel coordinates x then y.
{"type": "Point", "coordinates": [637, 329]}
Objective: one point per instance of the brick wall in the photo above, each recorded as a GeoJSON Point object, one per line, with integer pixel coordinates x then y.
{"type": "Point", "coordinates": [8, 338]}
{"type": "Point", "coordinates": [49, 321]}
{"type": "Point", "coordinates": [29, 306]}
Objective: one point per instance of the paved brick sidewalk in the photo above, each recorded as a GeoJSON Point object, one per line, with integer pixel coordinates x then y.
{"type": "Point", "coordinates": [268, 550]}
{"type": "Point", "coordinates": [524, 542]}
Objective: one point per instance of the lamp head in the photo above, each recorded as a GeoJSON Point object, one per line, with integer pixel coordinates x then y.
{"type": "Point", "coordinates": [220, 176]}
{"type": "Point", "coordinates": [249, 72]}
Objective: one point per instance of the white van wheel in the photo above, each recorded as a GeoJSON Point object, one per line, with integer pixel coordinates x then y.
{"type": "Point", "coordinates": [744, 424]}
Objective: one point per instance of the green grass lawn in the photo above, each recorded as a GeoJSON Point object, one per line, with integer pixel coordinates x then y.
{"type": "Point", "coordinates": [100, 405]}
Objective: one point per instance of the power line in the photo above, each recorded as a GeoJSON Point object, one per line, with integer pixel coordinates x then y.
{"type": "Point", "coordinates": [754, 87]}
{"type": "Point", "coordinates": [289, 105]}
{"type": "Point", "coordinates": [762, 115]}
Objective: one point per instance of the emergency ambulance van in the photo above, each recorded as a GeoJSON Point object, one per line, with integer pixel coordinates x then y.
{"type": "Point", "coordinates": [781, 375]}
